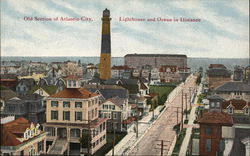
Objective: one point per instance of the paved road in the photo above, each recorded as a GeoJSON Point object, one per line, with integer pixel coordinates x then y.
{"type": "Point", "coordinates": [163, 127]}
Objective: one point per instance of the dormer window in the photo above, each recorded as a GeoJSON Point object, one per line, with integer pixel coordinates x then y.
{"type": "Point", "coordinates": [230, 110]}
{"type": "Point", "coordinates": [247, 111]}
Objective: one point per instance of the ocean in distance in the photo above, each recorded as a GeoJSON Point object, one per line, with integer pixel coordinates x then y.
{"type": "Point", "coordinates": [193, 63]}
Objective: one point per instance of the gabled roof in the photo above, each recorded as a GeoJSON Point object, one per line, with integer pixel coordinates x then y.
{"type": "Point", "coordinates": [221, 66]}
{"type": "Point", "coordinates": [6, 94]}
{"type": "Point", "coordinates": [117, 101]}
{"type": "Point", "coordinates": [51, 89]}
{"type": "Point", "coordinates": [237, 104]}
{"type": "Point", "coordinates": [11, 130]}
{"type": "Point", "coordinates": [80, 93]}
{"type": "Point", "coordinates": [233, 86]}
{"type": "Point", "coordinates": [216, 118]}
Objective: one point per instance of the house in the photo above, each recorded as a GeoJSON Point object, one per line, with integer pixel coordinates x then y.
{"type": "Point", "coordinates": [184, 72]}
{"type": "Point", "coordinates": [21, 137]}
{"type": "Point", "coordinates": [5, 95]}
{"type": "Point", "coordinates": [9, 67]}
{"type": "Point", "coordinates": [115, 110]}
{"type": "Point", "coordinates": [247, 73]}
{"type": "Point", "coordinates": [169, 74]}
{"type": "Point", "coordinates": [24, 85]}
{"type": "Point", "coordinates": [44, 91]}
{"type": "Point", "coordinates": [121, 72]}
{"type": "Point", "coordinates": [217, 75]}
{"type": "Point", "coordinates": [72, 68]}
{"type": "Point", "coordinates": [215, 131]}
{"type": "Point", "coordinates": [234, 90]}
{"type": "Point", "coordinates": [71, 116]}
{"type": "Point", "coordinates": [28, 106]}
{"type": "Point", "coordinates": [235, 106]}
{"type": "Point", "coordinates": [136, 73]}
{"type": "Point", "coordinates": [238, 73]}
{"type": "Point", "coordinates": [154, 76]}
{"type": "Point", "coordinates": [9, 80]}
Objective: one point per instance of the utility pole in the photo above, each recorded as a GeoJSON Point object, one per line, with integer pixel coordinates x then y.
{"type": "Point", "coordinates": [162, 146]}
{"type": "Point", "coordinates": [186, 104]}
{"type": "Point", "coordinates": [182, 109]}
{"type": "Point", "coordinates": [113, 150]}
{"type": "Point", "coordinates": [89, 137]}
{"type": "Point", "coordinates": [137, 124]}
{"type": "Point", "coordinates": [190, 98]}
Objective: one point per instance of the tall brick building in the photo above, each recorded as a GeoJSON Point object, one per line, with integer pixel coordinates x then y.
{"type": "Point", "coordinates": [155, 60]}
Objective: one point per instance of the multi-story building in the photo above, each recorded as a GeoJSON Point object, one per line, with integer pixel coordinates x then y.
{"type": "Point", "coordinates": [247, 73]}
{"type": "Point", "coordinates": [154, 60]}
{"type": "Point", "coordinates": [234, 90]}
{"type": "Point", "coordinates": [217, 75]}
{"type": "Point", "coordinates": [155, 76]}
{"type": "Point", "coordinates": [72, 68]}
{"type": "Point", "coordinates": [115, 110]}
{"type": "Point", "coordinates": [169, 74]}
{"type": "Point", "coordinates": [71, 114]}
{"type": "Point", "coordinates": [121, 72]}
{"type": "Point", "coordinates": [20, 137]}
{"type": "Point", "coordinates": [238, 74]}
{"type": "Point", "coordinates": [239, 107]}
{"type": "Point", "coordinates": [215, 129]}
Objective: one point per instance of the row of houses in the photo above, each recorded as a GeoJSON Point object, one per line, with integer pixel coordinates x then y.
{"type": "Point", "coordinates": [225, 119]}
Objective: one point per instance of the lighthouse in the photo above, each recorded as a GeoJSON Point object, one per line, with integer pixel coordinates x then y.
{"type": "Point", "coordinates": [105, 58]}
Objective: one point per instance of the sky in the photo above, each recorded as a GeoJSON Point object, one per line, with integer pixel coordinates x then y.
{"type": "Point", "coordinates": [223, 30]}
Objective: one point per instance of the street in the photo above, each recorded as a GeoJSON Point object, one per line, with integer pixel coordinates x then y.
{"type": "Point", "coordinates": [162, 129]}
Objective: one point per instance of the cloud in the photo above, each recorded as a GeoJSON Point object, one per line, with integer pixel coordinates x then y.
{"type": "Point", "coordinates": [223, 31]}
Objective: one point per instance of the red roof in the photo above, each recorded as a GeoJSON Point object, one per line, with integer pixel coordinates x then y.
{"type": "Point", "coordinates": [72, 77]}
{"type": "Point", "coordinates": [237, 104]}
{"type": "Point", "coordinates": [80, 93]}
{"type": "Point", "coordinates": [11, 130]}
{"type": "Point", "coordinates": [121, 68]}
{"type": "Point", "coordinates": [128, 120]}
{"type": "Point", "coordinates": [216, 118]}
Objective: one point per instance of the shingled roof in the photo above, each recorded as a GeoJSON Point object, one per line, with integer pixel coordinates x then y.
{"type": "Point", "coordinates": [12, 130]}
{"type": "Point", "coordinates": [237, 104]}
{"type": "Point", "coordinates": [80, 93]}
{"type": "Point", "coordinates": [233, 86]}
{"type": "Point", "coordinates": [216, 118]}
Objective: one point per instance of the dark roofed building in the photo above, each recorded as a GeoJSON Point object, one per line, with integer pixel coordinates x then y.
{"type": "Point", "coordinates": [234, 90]}
{"type": "Point", "coordinates": [217, 76]}
{"type": "Point", "coordinates": [25, 85]}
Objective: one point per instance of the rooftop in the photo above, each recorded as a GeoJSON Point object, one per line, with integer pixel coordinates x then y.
{"type": "Point", "coordinates": [216, 118]}
{"type": "Point", "coordinates": [78, 93]}
{"type": "Point", "coordinates": [233, 86]}
{"type": "Point", "coordinates": [157, 55]}
{"type": "Point", "coordinates": [237, 104]}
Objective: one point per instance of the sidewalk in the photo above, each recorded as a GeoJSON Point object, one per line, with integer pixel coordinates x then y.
{"type": "Point", "coordinates": [130, 140]}
{"type": "Point", "coordinates": [190, 125]}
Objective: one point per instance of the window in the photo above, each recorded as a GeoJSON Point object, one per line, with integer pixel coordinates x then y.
{"type": "Point", "coordinates": [208, 145]}
{"type": "Point", "coordinates": [212, 104]}
{"type": "Point", "coordinates": [104, 125]}
{"type": "Point", "coordinates": [40, 146]}
{"type": "Point", "coordinates": [96, 112]}
{"type": "Point", "coordinates": [74, 83]}
{"type": "Point", "coordinates": [66, 104]}
{"type": "Point", "coordinates": [208, 130]}
{"type": "Point", "coordinates": [109, 115]}
{"type": "Point", "coordinates": [92, 113]}
{"type": "Point", "coordinates": [54, 103]}
{"type": "Point", "coordinates": [247, 110]}
{"type": "Point", "coordinates": [115, 115]}
{"type": "Point", "coordinates": [218, 104]}
{"type": "Point", "coordinates": [78, 116]}
{"type": "Point", "coordinates": [230, 110]}
{"type": "Point", "coordinates": [66, 115]}
{"type": "Point", "coordinates": [78, 104]}
{"type": "Point", "coordinates": [54, 115]}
